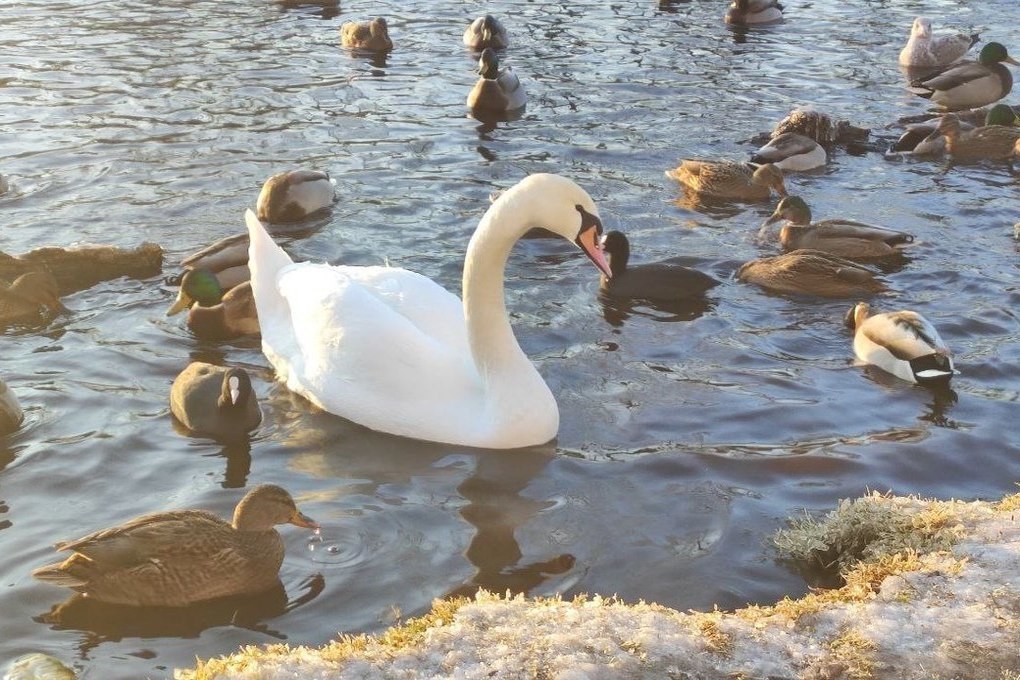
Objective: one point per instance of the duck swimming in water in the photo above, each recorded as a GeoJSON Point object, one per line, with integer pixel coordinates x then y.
{"type": "Point", "coordinates": [902, 343]}
{"type": "Point", "coordinates": [970, 84]}
{"type": "Point", "coordinates": [843, 238]}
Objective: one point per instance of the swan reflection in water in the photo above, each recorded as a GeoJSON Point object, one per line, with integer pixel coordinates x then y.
{"type": "Point", "coordinates": [406, 472]}
{"type": "Point", "coordinates": [112, 622]}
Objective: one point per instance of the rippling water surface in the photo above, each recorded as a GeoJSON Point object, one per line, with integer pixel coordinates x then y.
{"type": "Point", "coordinates": [684, 442]}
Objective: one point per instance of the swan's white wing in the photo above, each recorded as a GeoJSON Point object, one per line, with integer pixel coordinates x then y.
{"type": "Point", "coordinates": [384, 347]}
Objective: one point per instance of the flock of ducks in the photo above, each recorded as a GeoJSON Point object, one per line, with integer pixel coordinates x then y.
{"type": "Point", "coordinates": [392, 350]}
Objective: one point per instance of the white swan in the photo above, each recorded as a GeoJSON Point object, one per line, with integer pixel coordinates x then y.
{"type": "Point", "coordinates": [392, 350]}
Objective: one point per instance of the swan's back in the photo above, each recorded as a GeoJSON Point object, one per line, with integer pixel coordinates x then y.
{"type": "Point", "coordinates": [354, 341]}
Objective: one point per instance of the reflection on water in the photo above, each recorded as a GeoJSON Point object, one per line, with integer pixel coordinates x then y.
{"type": "Point", "coordinates": [111, 622]}
{"type": "Point", "coordinates": [685, 434]}
{"type": "Point", "coordinates": [617, 310]}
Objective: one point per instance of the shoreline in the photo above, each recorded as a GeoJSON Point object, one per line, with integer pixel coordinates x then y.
{"type": "Point", "coordinates": [936, 595]}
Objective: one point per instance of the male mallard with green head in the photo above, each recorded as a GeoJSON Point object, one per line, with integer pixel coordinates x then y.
{"type": "Point", "coordinates": [212, 314]}
{"type": "Point", "coordinates": [970, 84]}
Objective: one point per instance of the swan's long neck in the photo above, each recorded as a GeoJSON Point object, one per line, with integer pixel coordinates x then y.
{"type": "Point", "coordinates": [492, 340]}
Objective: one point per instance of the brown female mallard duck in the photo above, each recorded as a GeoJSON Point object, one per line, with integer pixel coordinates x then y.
{"type": "Point", "coordinates": [485, 32]}
{"type": "Point", "coordinates": [496, 90]}
{"type": "Point", "coordinates": [988, 142]}
{"type": "Point", "coordinates": [28, 296]}
{"type": "Point", "coordinates": [365, 35]}
{"type": "Point", "coordinates": [179, 557]}
{"type": "Point", "coordinates": [214, 315]}
{"type": "Point", "coordinates": [903, 343]}
{"type": "Point", "coordinates": [844, 238]}
{"type": "Point", "coordinates": [811, 272]}
{"type": "Point", "coordinates": [728, 179]}
{"type": "Point", "coordinates": [927, 138]}
{"type": "Point", "coordinates": [11, 414]}
{"type": "Point", "coordinates": [215, 401]}
{"type": "Point", "coordinates": [292, 196]}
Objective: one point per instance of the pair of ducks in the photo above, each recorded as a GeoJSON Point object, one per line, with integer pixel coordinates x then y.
{"type": "Point", "coordinates": [820, 256]}
{"type": "Point", "coordinates": [374, 34]}
{"type": "Point", "coordinates": [496, 90]}
{"type": "Point", "coordinates": [958, 136]}
{"type": "Point", "coordinates": [797, 143]}
{"type": "Point", "coordinates": [215, 286]}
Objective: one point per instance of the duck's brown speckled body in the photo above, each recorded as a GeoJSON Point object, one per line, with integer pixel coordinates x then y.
{"type": "Point", "coordinates": [176, 558]}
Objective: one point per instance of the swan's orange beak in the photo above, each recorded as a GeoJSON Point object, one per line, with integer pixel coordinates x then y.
{"type": "Point", "coordinates": [588, 241]}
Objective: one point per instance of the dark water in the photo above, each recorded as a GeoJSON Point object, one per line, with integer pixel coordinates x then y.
{"type": "Point", "coordinates": [683, 444]}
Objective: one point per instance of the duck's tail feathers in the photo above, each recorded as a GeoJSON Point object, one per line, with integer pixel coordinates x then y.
{"type": "Point", "coordinates": [68, 574]}
{"type": "Point", "coordinates": [932, 368]}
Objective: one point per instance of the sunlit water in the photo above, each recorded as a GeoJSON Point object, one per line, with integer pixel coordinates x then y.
{"type": "Point", "coordinates": [683, 444]}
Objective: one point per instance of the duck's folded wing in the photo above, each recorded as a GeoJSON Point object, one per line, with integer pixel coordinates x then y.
{"type": "Point", "coordinates": [176, 533]}
{"type": "Point", "coordinates": [837, 228]}
{"type": "Point", "coordinates": [907, 335]}
{"type": "Point", "coordinates": [957, 75]}
{"type": "Point", "coordinates": [783, 146]}
{"type": "Point", "coordinates": [227, 252]}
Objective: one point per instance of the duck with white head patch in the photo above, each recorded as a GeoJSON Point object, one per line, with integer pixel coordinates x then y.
{"type": "Point", "coordinates": [903, 343]}
{"type": "Point", "coordinates": [215, 401]}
